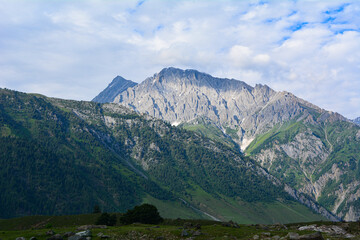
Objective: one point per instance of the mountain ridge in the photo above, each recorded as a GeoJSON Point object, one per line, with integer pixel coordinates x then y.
{"type": "Point", "coordinates": [293, 139]}
{"type": "Point", "coordinates": [43, 137]}
{"type": "Point", "coordinates": [172, 95]}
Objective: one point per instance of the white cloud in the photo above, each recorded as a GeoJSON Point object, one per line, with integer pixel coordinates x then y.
{"type": "Point", "coordinates": [261, 59]}
{"type": "Point", "coordinates": [240, 55]}
{"type": "Point", "coordinates": [73, 49]}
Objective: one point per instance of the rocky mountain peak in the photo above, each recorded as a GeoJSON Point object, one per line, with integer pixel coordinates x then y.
{"type": "Point", "coordinates": [117, 86]}
{"type": "Point", "coordinates": [117, 80]}
{"type": "Point", "coordinates": [181, 96]}
{"type": "Point", "coordinates": [177, 77]}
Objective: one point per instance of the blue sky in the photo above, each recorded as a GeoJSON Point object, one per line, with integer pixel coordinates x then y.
{"type": "Point", "coordinates": [73, 49]}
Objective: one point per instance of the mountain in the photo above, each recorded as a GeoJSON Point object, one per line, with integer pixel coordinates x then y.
{"type": "Point", "coordinates": [357, 120]}
{"type": "Point", "coordinates": [237, 109]}
{"type": "Point", "coordinates": [117, 86]}
{"type": "Point", "coordinates": [63, 157]}
{"type": "Point", "coordinates": [313, 150]}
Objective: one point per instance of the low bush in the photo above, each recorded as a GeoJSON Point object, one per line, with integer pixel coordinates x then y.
{"type": "Point", "coordinates": [106, 219]}
{"type": "Point", "coordinates": [145, 213]}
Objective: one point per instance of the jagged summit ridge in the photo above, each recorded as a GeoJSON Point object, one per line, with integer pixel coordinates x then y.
{"type": "Point", "coordinates": [196, 78]}
{"type": "Point", "coordinates": [117, 86]}
{"type": "Point", "coordinates": [181, 96]}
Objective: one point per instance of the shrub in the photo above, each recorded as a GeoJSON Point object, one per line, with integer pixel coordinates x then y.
{"type": "Point", "coordinates": [48, 225]}
{"type": "Point", "coordinates": [145, 213]}
{"type": "Point", "coordinates": [106, 219]}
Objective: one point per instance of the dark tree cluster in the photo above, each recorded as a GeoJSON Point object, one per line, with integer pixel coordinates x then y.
{"type": "Point", "coordinates": [106, 219]}
{"type": "Point", "coordinates": [145, 213]}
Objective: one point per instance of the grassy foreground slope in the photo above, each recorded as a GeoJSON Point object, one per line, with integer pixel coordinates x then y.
{"type": "Point", "coordinates": [38, 226]}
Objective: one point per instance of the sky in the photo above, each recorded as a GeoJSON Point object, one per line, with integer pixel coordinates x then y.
{"type": "Point", "coordinates": [72, 49]}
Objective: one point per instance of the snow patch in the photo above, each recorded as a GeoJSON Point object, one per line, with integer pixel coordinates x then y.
{"type": "Point", "coordinates": [176, 123]}
{"type": "Point", "coordinates": [245, 142]}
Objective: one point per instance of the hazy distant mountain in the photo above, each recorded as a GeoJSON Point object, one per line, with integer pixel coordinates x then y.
{"type": "Point", "coordinates": [63, 157]}
{"type": "Point", "coordinates": [117, 86]}
{"type": "Point", "coordinates": [314, 150]}
{"type": "Point", "coordinates": [357, 120]}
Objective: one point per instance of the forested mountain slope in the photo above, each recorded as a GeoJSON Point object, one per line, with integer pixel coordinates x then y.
{"type": "Point", "coordinates": [60, 157]}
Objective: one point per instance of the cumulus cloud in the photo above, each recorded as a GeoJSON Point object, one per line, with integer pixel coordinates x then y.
{"type": "Point", "coordinates": [73, 49]}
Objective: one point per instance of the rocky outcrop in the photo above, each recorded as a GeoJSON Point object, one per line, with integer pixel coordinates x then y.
{"type": "Point", "coordinates": [333, 230]}
{"type": "Point", "coordinates": [117, 86]}
{"type": "Point", "coordinates": [311, 203]}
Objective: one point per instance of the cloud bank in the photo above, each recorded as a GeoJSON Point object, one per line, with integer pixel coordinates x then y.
{"type": "Point", "coordinates": [73, 49]}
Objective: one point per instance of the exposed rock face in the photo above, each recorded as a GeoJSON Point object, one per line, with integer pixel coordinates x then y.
{"type": "Point", "coordinates": [180, 96]}
{"type": "Point", "coordinates": [117, 86]}
{"type": "Point", "coordinates": [311, 203]}
{"type": "Point", "coordinates": [305, 146]}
